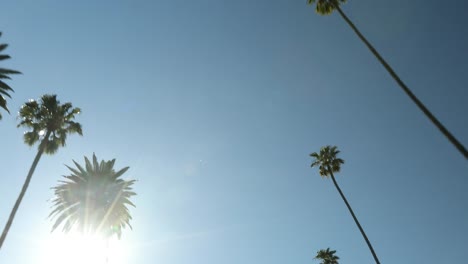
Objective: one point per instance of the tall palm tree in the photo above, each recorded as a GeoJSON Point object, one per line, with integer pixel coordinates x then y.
{"type": "Point", "coordinates": [327, 256]}
{"type": "Point", "coordinates": [5, 74]}
{"type": "Point", "coordinates": [329, 163]}
{"type": "Point", "coordinates": [50, 123]}
{"type": "Point", "coordinates": [326, 7]}
{"type": "Point", "coordinates": [93, 199]}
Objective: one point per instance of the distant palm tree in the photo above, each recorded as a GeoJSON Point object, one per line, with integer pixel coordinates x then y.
{"type": "Point", "coordinates": [328, 163]}
{"type": "Point", "coordinates": [5, 74]}
{"type": "Point", "coordinates": [50, 123]}
{"type": "Point", "coordinates": [327, 256]}
{"type": "Point", "coordinates": [326, 7]}
{"type": "Point", "coordinates": [93, 199]}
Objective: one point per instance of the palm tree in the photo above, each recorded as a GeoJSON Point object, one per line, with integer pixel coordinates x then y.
{"type": "Point", "coordinates": [93, 199]}
{"type": "Point", "coordinates": [5, 74]}
{"type": "Point", "coordinates": [326, 7]}
{"type": "Point", "coordinates": [50, 123]}
{"type": "Point", "coordinates": [328, 163]}
{"type": "Point", "coordinates": [327, 256]}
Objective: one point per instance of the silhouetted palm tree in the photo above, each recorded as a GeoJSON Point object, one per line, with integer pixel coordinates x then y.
{"type": "Point", "coordinates": [326, 7]}
{"type": "Point", "coordinates": [328, 163]}
{"type": "Point", "coordinates": [5, 74]}
{"type": "Point", "coordinates": [50, 123]}
{"type": "Point", "coordinates": [93, 199]}
{"type": "Point", "coordinates": [327, 256]}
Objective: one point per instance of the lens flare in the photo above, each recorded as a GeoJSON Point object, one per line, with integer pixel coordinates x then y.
{"type": "Point", "coordinates": [76, 248]}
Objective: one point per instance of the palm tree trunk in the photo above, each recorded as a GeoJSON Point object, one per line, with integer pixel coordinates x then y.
{"type": "Point", "coordinates": [23, 189]}
{"type": "Point", "coordinates": [403, 86]}
{"type": "Point", "coordinates": [355, 218]}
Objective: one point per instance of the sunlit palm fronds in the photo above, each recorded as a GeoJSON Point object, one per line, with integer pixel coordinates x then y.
{"type": "Point", "coordinates": [49, 122]}
{"type": "Point", "coordinates": [93, 199]}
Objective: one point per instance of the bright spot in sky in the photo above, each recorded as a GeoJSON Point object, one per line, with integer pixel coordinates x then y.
{"type": "Point", "coordinates": [41, 133]}
{"type": "Point", "coordinates": [82, 249]}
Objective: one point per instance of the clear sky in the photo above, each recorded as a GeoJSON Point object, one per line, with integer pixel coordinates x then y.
{"type": "Point", "coordinates": [216, 105]}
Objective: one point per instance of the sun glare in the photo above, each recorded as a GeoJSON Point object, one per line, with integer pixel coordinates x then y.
{"type": "Point", "coordinates": [75, 248]}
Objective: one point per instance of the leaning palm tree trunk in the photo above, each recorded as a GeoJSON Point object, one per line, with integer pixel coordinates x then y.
{"type": "Point", "coordinates": [403, 86]}
{"type": "Point", "coordinates": [355, 218]}
{"type": "Point", "coordinates": [23, 190]}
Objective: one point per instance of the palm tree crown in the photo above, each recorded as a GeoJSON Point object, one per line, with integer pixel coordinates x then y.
{"type": "Point", "coordinates": [327, 161]}
{"type": "Point", "coordinates": [5, 75]}
{"type": "Point", "coordinates": [327, 256]}
{"type": "Point", "coordinates": [94, 199]}
{"type": "Point", "coordinates": [50, 119]}
{"type": "Point", "coordinates": [325, 7]}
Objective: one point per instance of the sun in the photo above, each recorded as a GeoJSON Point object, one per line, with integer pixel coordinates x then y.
{"type": "Point", "coordinates": [76, 248]}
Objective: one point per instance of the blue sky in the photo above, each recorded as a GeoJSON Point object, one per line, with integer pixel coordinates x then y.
{"type": "Point", "coordinates": [215, 106]}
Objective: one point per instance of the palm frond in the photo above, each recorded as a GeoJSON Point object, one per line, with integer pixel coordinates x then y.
{"type": "Point", "coordinates": [4, 74]}
{"type": "Point", "coordinates": [3, 46]}
{"type": "Point", "coordinates": [8, 71]}
{"type": "Point", "coordinates": [4, 88]}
